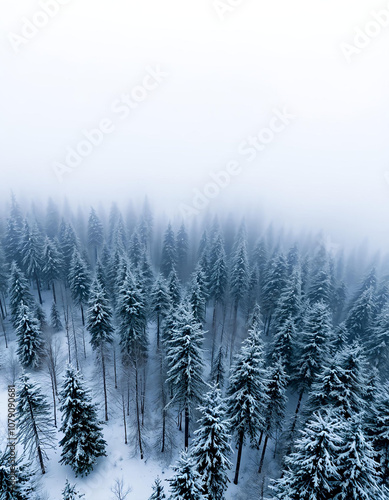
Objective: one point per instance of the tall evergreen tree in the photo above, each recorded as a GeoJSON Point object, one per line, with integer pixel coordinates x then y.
{"type": "Point", "coordinates": [185, 362]}
{"type": "Point", "coordinates": [312, 470]}
{"type": "Point", "coordinates": [357, 466]}
{"type": "Point", "coordinates": [19, 292]}
{"type": "Point", "coordinates": [79, 280]}
{"type": "Point", "coordinates": [28, 334]}
{"type": "Point", "coordinates": [83, 441]}
{"type": "Point", "coordinates": [359, 319]}
{"type": "Point", "coordinates": [95, 233]}
{"type": "Point", "coordinates": [211, 446]}
{"type": "Point", "coordinates": [52, 219]}
{"type": "Point", "coordinates": [99, 325]}
{"type": "Point", "coordinates": [246, 394]}
{"type": "Point", "coordinates": [274, 282]}
{"type": "Point", "coordinates": [160, 302]}
{"type": "Point", "coordinates": [31, 251]}
{"type": "Point", "coordinates": [52, 264]}
{"type": "Point", "coordinates": [169, 252]}
{"type": "Point", "coordinates": [36, 431]}
{"type": "Point", "coordinates": [182, 246]}
{"type": "Point", "coordinates": [276, 406]}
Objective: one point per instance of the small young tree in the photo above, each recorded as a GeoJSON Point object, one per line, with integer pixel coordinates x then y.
{"type": "Point", "coordinates": [55, 318]}
{"type": "Point", "coordinates": [34, 421]}
{"type": "Point", "coordinates": [211, 446]}
{"type": "Point", "coordinates": [186, 483]}
{"type": "Point", "coordinates": [70, 493]}
{"type": "Point", "coordinates": [83, 441]}
{"type": "Point", "coordinates": [158, 491]}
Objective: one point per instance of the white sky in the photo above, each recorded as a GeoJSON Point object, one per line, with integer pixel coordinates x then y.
{"type": "Point", "coordinates": [225, 77]}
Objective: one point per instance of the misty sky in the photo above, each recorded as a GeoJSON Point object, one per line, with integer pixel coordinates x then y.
{"type": "Point", "coordinates": [225, 76]}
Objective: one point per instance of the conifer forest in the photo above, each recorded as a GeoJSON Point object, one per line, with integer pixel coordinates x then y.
{"type": "Point", "coordinates": [207, 359]}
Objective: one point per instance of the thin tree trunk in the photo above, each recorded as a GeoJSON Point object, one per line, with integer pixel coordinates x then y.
{"type": "Point", "coordinates": [54, 294]}
{"type": "Point", "coordinates": [158, 330]}
{"type": "Point", "coordinates": [75, 344]}
{"type": "Point", "coordinates": [213, 331]}
{"type": "Point", "coordinates": [35, 431]}
{"type": "Point", "coordinates": [5, 304]}
{"type": "Point", "coordinates": [263, 454]}
{"type": "Point", "coordinates": [5, 334]}
{"type": "Point", "coordinates": [83, 342]}
{"type": "Point", "coordinates": [114, 368]}
{"type": "Point", "coordinates": [38, 287]}
{"type": "Point", "coordinates": [1, 308]}
{"type": "Point", "coordinates": [54, 402]}
{"type": "Point", "coordinates": [234, 328]}
{"type": "Point", "coordinates": [239, 458]}
{"type": "Point", "coordinates": [124, 419]}
{"type": "Point", "coordinates": [138, 413]}
{"type": "Point", "coordinates": [260, 440]}
{"type": "Point", "coordinates": [186, 427]}
{"type": "Point", "coordinates": [104, 384]}
{"type": "Point", "coordinates": [82, 315]}
{"type": "Point", "coordinates": [296, 413]}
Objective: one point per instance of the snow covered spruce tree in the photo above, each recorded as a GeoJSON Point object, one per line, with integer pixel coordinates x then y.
{"type": "Point", "coordinates": [52, 264]}
{"type": "Point", "coordinates": [99, 325]}
{"type": "Point", "coordinates": [28, 334]}
{"type": "Point", "coordinates": [169, 252]}
{"type": "Point", "coordinates": [18, 483]}
{"type": "Point", "coordinates": [34, 422]}
{"type": "Point", "coordinates": [289, 304]}
{"type": "Point", "coordinates": [185, 362]}
{"type": "Point", "coordinates": [182, 246]}
{"type": "Point", "coordinates": [70, 493]}
{"type": "Point", "coordinates": [378, 429]}
{"type": "Point", "coordinates": [158, 491]}
{"type": "Point", "coordinates": [359, 477]}
{"type": "Point", "coordinates": [31, 252]}
{"type": "Point", "coordinates": [186, 483]}
{"type": "Point", "coordinates": [95, 233]}
{"type": "Point", "coordinates": [276, 404]}
{"type": "Point", "coordinates": [131, 313]}
{"type": "Point", "coordinates": [55, 318]}
{"type": "Point", "coordinates": [83, 441]}
{"type": "Point", "coordinates": [160, 302]}
{"type": "Point", "coordinates": [211, 446]}
{"type": "Point", "coordinates": [312, 350]}
{"type": "Point", "coordinates": [311, 470]}
{"type": "Point", "coordinates": [79, 281]}
{"type": "Point", "coordinates": [273, 284]}
{"type": "Point", "coordinates": [246, 396]}
{"type": "Point", "coordinates": [19, 291]}
{"type": "Point", "coordinates": [284, 345]}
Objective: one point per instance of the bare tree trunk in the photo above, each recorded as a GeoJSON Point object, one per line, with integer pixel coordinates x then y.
{"type": "Point", "coordinates": [239, 458]}
{"type": "Point", "coordinates": [54, 294]}
{"type": "Point", "coordinates": [83, 342]}
{"type": "Point", "coordinates": [1, 309]}
{"type": "Point", "coordinates": [75, 343]}
{"type": "Point", "coordinates": [5, 334]}
{"type": "Point", "coordinates": [138, 412]}
{"type": "Point", "coordinates": [36, 435]}
{"type": "Point", "coordinates": [158, 327]}
{"type": "Point", "coordinates": [186, 428]}
{"type": "Point", "coordinates": [124, 420]}
{"type": "Point", "coordinates": [263, 454]}
{"type": "Point", "coordinates": [54, 402]}
{"type": "Point", "coordinates": [114, 368]}
{"type": "Point", "coordinates": [104, 384]}
{"type": "Point", "coordinates": [38, 287]}
{"type": "Point", "coordinates": [82, 315]}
